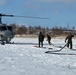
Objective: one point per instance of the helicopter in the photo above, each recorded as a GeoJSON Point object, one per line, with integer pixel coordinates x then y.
{"type": "Point", "coordinates": [6, 32]}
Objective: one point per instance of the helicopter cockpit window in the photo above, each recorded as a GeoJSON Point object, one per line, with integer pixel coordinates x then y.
{"type": "Point", "coordinates": [2, 28]}
{"type": "Point", "coordinates": [9, 28]}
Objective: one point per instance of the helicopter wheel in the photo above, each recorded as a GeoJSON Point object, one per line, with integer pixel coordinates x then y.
{"type": "Point", "coordinates": [12, 42]}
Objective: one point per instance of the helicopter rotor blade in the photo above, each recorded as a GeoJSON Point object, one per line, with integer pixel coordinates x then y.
{"type": "Point", "coordinates": [23, 16]}
{"type": "Point", "coordinates": [32, 17]}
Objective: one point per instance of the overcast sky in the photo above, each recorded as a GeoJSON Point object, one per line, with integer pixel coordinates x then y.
{"type": "Point", "coordinates": [60, 12]}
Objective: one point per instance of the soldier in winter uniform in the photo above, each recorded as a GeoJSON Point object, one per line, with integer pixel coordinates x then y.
{"type": "Point", "coordinates": [48, 39]}
{"type": "Point", "coordinates": [41, 39]}
{"type": "Point", "coordinates": [69, 40]}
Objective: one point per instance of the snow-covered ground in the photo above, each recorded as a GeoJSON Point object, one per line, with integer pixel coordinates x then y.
{"type": "Point", "coordinates": [22, 58]}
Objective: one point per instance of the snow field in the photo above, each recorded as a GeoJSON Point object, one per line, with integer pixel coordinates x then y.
{"type": "Point", "coordinates": [22, 58]}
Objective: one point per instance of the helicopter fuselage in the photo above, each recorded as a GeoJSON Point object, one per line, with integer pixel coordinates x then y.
{"type": "Point", "coordinates": [6, 33]}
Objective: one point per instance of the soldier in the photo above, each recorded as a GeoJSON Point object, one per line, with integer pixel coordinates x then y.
{"type": "Point", "coordinates": [41, 39]}
{"type": "Point", "coordinates": [69, 40]}
{"type": "Point", "coordinates": [48, 39]}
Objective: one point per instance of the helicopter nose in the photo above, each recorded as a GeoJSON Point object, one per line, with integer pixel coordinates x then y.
{"type": "Point", "coordinates": [9, 34]}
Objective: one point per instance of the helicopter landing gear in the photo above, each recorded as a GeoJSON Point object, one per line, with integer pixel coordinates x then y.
{"type": "Point", "coordinates": [8, 41]}
{"type": "Point", "coordinates": [11, 42]}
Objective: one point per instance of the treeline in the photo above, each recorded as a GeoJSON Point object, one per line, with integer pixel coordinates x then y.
{"type": "Point", "coordinates": [22, 29]}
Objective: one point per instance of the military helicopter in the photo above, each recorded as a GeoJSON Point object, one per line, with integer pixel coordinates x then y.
{"type": "Point", "coordinates": [6, 32]}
